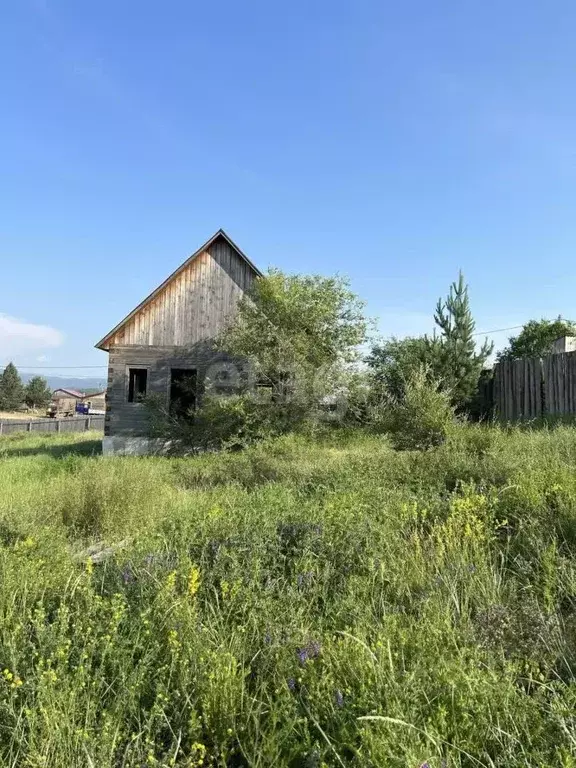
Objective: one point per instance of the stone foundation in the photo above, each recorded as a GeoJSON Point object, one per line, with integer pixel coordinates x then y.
{"type": "Point", "coordinates": [135, 446]}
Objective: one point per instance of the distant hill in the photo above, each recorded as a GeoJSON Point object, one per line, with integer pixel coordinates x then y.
{"type": "Point", "coordinates": [81, 383]}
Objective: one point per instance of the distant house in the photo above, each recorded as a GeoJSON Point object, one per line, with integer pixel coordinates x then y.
{"type": "Point", "coordinates": [62, 393]}
{"type": "Point", "coordinates": [165, 345]}
{"type": "Point", "coordinates": [564, 344]}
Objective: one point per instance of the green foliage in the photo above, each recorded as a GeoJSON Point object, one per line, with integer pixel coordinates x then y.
{"type": "Point", "coordinates": [421, 418]}
{"type": "Point", "coordinates": [228, 422]}
{"type": "Point", "coordinates": [536, 338]}
{"type": "Point", "coordinates": [394, 361]}
{"type": "Point", "coordinates": [453, 355]}
{"type": "Point", "coordinates": [302, 322]}
{"type": "Point", "coordinates": [297, 336]}
{"type": "Point", "coordinates": [450, 356]}
{"type": "Point", "coordinates": [37, 393]}
{"type": "Point", "coordinates": [298, 603]}
{"type": "Point", "coordinates": [11, 389]}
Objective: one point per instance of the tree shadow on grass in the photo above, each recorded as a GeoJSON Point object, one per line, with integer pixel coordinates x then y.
{"type": "Point", "coordinates": [57, 451]}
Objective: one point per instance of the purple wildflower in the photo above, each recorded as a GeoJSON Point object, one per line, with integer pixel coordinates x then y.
{"type": "Point", "coordinates": [310, 651]}
{"type": "Point", "coordinates": [339, 698]}
{"type": "Point", "coordinates": [127, 574]}
{"type": "Point", "coordinates": [267, 638]}
{"type": "Point", "coordinates": [302, 655]}
{"type": "Point", "coordinates": [305, 579]}
{"type": "Point", "coordinates": [291, 683]}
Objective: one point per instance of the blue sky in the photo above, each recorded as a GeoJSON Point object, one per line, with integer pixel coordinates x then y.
{"type": "Point", "coordinates": [393, 142]}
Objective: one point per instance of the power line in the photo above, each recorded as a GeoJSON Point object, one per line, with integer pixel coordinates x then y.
{"type": "Point", "coordinates": [58, 367]}
{"type": "Point", "coordinates": [498, 330]}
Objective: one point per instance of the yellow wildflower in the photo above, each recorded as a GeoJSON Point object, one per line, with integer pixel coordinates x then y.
{"type": "Point", "coordinates": [171, 581]}
{"type": "Point", "coordinates": [193, 581]}
{"type": "Point", "coordinates": [173, 640]}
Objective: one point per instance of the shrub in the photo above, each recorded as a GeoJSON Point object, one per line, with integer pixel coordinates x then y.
{"type": "Point", "coordinates": [421, 419]}
{"type": "Point", "coordinates": [229, 422]}
{"type": "Point", "coordinates": [393, 361]}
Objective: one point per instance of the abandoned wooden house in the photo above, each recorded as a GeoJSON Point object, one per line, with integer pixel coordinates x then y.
{"type": "Point", "coordinates": [164, 347]}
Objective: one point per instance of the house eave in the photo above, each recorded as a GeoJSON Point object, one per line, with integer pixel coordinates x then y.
{"type": "Point", "coordinates": [104, 345]}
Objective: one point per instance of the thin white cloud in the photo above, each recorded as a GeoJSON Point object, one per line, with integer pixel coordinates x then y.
{"type": "Point", "coordinates": [18, 337]}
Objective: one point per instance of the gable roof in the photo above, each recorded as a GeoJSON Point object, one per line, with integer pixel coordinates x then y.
{"type": "Point", "coordinates": [219, 234]}
{"type": "Point", "coordinates": [70, 392]}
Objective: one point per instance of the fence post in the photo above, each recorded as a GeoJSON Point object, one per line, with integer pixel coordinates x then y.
{"type": "Point", "coordinates": [57, 424]}
{"type": "Point", "coordinates": [29, 427]}
{"type": "Point", "coordinates": [87, 424]}
{"type": "Point", "coordinates": [0, 427]}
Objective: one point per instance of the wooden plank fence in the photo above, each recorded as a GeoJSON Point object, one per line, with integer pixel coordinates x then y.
{"type": "Point", "coordinates": [531, 388]}
{"type": "Point", "coordinates": [75, 424]}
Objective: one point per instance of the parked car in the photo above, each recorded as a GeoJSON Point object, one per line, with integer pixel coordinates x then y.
{"type": "Point", "coordinates": [86, 409]}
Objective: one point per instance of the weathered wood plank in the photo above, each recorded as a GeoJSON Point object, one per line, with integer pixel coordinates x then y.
{"type": "Point", "coordinates": [548, 402]}
{"type": "Point", "coordinates": [497, 380]}
{"type": "Point", "coordinates": [538, 387]}
{"type": "Point", "coordinates": [525, 390]}
{"type": "Point", "coordinates": [506, 391]}
{"type": "Point", "coordinates": [197, 304]}
{"type": "Point", "coordinates": [572, 379]}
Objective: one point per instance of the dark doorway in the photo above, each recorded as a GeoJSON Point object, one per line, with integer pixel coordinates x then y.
{"type": "Point", "coordinates": [183, 391]}
{"type": "Point", "coordinates": [137, 383]}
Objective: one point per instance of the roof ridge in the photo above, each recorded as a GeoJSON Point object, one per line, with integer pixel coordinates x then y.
{"type": "Point", "coordinates": [219, 233]}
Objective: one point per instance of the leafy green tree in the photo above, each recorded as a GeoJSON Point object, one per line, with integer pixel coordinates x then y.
{"type": "Point", "coordinates": [11, 389]}
{"type": "Point", "coordinates": [296, 325]}
{"type": "Point", "coordinates": [293, 340]}
{"type": "Point", "coordinates": [37, 393]}
{"type": "Point", "coordinates": [394, 361]}
{"type": "Point", "coordinates": [536, 338]}
{"type": "Point", "coordinates": [449, 356]}
{"type": "Point", "coordinates": [454, 358]}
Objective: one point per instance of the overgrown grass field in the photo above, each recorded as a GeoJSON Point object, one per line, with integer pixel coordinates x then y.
{"type": "Point", "coordinates": [299, 603]}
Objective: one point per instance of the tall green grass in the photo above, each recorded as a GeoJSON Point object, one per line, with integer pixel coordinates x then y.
{"type": "Point", "coordinates": [297, 604]}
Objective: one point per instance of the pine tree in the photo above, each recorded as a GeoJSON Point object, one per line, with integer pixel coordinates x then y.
{"type": "Point", "coordinates": [37, 393]}
{"type": "Point", "coordinates": [11, 389]}
{"type": "Point", "coordinates": [456, 360]}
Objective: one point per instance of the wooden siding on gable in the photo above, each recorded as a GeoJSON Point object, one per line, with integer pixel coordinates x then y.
{"type": "Point", "coordinates": [196, 305]}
